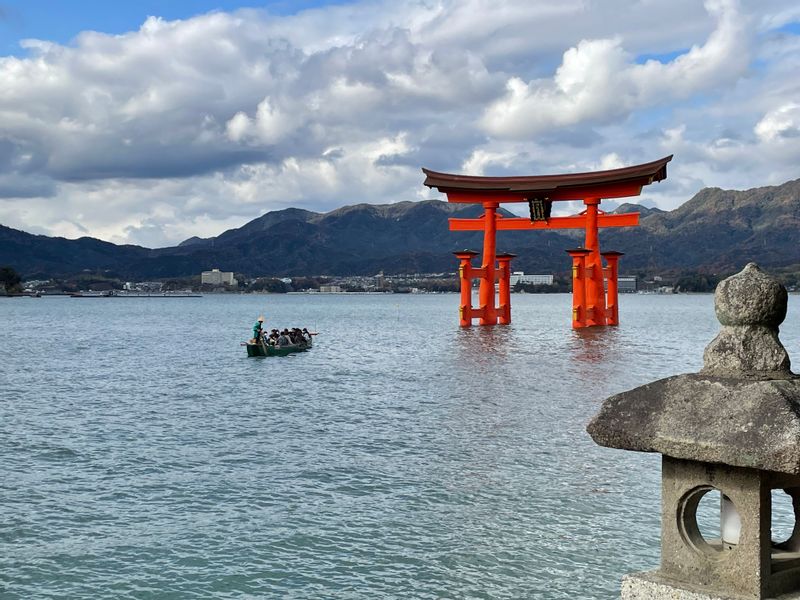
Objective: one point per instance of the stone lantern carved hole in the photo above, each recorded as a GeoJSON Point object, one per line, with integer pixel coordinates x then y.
{"type": "Point", "coordinates": [784, 526]}
{"type": "Point", "coordinates": [783, 521]}
{"type": "Point", "coordinates": [709, 522]}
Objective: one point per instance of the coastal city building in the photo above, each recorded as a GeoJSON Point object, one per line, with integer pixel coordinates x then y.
{"type": "Point", "coordinates": [217, 277]}
{"type": "Point", "coordinates": [143, 286]}
{"type": "Point", "coordinates": [521, 277]}
{"type": "Point", "coordinates": [330, 289]}
{"type": "Point", "coordinates": [380, 281]}
{"type": "Point", "coordinates": [626, 284]}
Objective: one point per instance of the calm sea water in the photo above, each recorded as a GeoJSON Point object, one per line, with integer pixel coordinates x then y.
{"type": "Point", "coordinates": [145, 456]}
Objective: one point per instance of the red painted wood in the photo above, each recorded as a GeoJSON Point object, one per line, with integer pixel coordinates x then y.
{"type": "Point", "coordinates": [521, 223]}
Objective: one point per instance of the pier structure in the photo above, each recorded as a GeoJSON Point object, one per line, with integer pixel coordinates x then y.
{"type": "Point", "coordinates": [592, 305]}
{"type": "Point", "coordinates": [729, 437]}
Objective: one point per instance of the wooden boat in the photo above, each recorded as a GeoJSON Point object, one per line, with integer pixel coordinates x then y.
{"type": "Point", "coordinates": [267, 350]}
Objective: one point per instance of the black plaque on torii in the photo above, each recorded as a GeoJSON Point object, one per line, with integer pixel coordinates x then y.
{"type": "Point", "coordinates": [540, 207]}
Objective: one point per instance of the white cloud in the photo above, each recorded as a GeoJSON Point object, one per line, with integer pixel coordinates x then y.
{"type": "Point", "coordinates": [783, 122]}
{"type": "Point", "coordinates": [269, 126]}
{"type": "Point", "coordinates": [190, 127]}
{"type": "Point", "coordinates": [481, 159]}
{"type": "Point", "coordinates": [598, 81]}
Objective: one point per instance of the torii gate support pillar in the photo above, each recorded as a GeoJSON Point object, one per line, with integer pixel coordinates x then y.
{"type": "Point", "coordinates": [578, 286]}
{"type": "Point", "coordinates": [504, 279]}
{"type": "Point", "coordinates": [612, 275]}
{"type": "Point", "coordinates": [500, 267]}
{"type": "Point", "coordinates": [465, 276]}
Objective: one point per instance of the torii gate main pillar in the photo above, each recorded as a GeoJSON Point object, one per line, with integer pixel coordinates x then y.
{"type": "Point", "coordinates": [595, 288]}
{"type": "Point", "coordinates": [486, 290]}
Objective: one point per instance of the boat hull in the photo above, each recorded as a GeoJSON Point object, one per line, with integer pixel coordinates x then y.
{"type": "Point", "coordinates": [264, 350]}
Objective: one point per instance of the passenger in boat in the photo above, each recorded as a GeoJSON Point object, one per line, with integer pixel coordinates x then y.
{"type": "Point", "coordinates": [306, 335]}
{"type": "Point", "coordinates": [257, 332]}
{"type": "Point", "coordinates": [273, 338]}
{"type": "Point", "coordinates": [283, 339]}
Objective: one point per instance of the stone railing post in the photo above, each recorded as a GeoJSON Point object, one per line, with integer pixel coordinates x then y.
{"type": "Point", "coordinates": [733, 428]}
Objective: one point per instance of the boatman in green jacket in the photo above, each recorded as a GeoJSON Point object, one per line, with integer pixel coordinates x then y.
{"type": "Point", "coordinates": [257, 329]}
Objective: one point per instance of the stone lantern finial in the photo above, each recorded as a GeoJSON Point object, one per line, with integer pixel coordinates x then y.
{"type": "Point", "coordinates": [733, 428]}
{"type": "Point", "coordinates": [750, 306]}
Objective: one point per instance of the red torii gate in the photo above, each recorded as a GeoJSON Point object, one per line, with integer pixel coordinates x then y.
{"type": "Point", "coordinates": [589, 306]}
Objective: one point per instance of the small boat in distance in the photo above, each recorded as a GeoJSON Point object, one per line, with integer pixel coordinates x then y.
{"type": "Point", "coordinates": [262, 349]}
{"type": "Point", "coordinates": [91, 294]}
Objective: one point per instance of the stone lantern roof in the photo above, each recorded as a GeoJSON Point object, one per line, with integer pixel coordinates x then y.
{"type": "Point", "coordinates": [742, 409]}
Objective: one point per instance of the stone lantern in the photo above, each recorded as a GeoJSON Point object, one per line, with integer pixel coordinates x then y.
{"type": "Point", "coordinates": [733, 427]}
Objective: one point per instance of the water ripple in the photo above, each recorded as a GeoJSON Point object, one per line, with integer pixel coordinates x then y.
{"type": "Point", "coordinates": [146, 457]}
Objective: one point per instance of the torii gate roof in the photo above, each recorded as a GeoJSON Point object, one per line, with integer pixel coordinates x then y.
{"type": "Point", "coordinates": [613, 183]}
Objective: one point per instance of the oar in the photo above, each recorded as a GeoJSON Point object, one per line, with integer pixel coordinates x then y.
{"type": "Point", "coordinates": [263, 345]}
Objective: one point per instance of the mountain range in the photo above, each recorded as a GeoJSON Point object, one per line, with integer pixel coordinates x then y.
{"type": "Point", "coordinates": [716, 231]}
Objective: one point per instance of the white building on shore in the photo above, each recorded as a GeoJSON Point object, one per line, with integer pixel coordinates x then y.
{"type": "Point", "coordinates": [521, 277]}
{"type": "Point", "coordinates": [217, 277]}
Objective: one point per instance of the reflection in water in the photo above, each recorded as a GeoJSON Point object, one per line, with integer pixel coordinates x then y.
{"type": "Point", "coordinates": [482, 346]}
{"type": "Point", "coordinates": [593, 345]}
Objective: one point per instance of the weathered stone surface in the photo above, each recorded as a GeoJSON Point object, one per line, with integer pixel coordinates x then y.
{"type": "Point", "coordinates": [746, 567]}
{"type": "Point", "coordinates": [750, 306]}
{"type": "Point", "coordinates": [737, 422]}
{"type": "Point", "coordinates": [651, 586]}
{"type": "Point", "coordinates": [747, 352]}
{"type": "Point", "coordinates": [751, 297]}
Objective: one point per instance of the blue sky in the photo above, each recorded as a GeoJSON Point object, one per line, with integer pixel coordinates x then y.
{"type": "Point", "coordinates": [61, 21]}
{"type": "Point", "coordinates": [149, 122]}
